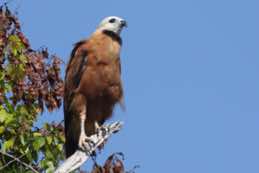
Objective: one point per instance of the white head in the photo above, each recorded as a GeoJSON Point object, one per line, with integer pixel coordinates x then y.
{"type": "Point", "coordinates": [112, 23]}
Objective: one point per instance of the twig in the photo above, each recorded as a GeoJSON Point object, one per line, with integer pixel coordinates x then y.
{"type": "Point", "coordinates": [19, 161]}
{"type": "Point", "coordinates": [80, 157]}
{"type": "Point", "coordinates": [1, 168]}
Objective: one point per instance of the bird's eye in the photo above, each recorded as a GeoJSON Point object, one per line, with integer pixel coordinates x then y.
{"type": "Point", "coordinates": [112, 20]}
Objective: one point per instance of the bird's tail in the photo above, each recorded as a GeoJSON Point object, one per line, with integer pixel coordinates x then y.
{"type": "Point", "coordinates": [72, 128]}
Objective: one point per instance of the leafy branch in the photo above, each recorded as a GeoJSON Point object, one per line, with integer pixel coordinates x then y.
{"type": "Point", "coordinates": [30, 81]}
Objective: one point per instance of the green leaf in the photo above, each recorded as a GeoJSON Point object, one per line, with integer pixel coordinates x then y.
{"type": "Point", "coordinates": [15, 71]}
{"type": "Point", "coordinates": [49, 140]}
{"type": "Point", "coordinates": [21, 110]}
{"type": "Point", "coordinates": [23, 58]}
{"type": "Point", "coordinates": [10, 69]}
{"type": "Point", "coordinates": [14, 38]}
{"type": "Point", "coordinates": [60, 147]}
{"type": "Point", "coordinates": [16, 43]}
{"type": "Point", "coordinates": [24, 151]}
{"type": "Point", "coordinates": [9, 106]}
{"type": "Point", "coordinates": [62, 138]}
{"type": "Point", "coordinates": [8, 144]}
{"type": "Point", "coordinates": [49, 154]}
{"type": "Point", "coordinates": [51, 167]}
{"type": "Point", "coordinates": [1, 129]}
{"type": "Point", "coordinates": [22, 140]}
{"type": "Point", "coordinates": [7, 87]}
{"type": "Point", "coordinates": [29, 156]}
{"type": "Point", "coordinates": [38, 143]}
{"type": "Point", "coordinates": [5, 116]}
{"type": "Point", "coordinates": [12, 131]}
{"type": "Point", "coordinates": [20, 71]}
{"type": "Point", "coordinates": [43, 163]}
{"type": "Point", "coordinates": [2, 75]}
{"type": "Point", "coordinates": [15, 51]}
{"type": "Point", "coordinates": [37, 134]}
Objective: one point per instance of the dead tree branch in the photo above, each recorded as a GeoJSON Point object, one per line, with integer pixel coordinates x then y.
{"type": "Point", "coordinates": [80, 157]}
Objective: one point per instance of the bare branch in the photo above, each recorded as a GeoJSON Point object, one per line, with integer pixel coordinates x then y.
{"type": "Point", "coordinates": [80, 157]}
{"type": "Point", "coordinates": [7, 164]}
{"type": "Point", "coordinates": [19, 161]}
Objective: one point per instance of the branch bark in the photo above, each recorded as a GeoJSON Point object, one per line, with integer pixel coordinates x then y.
{"type": "Point", "coordinates": [80, 157]}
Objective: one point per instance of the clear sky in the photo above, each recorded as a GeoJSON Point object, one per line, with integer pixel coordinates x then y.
{"type": "Point", "coordinates": [190, 73]}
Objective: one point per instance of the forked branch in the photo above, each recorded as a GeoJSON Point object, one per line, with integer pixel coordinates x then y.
{"type": "Point", "coordinates": [80, 157]}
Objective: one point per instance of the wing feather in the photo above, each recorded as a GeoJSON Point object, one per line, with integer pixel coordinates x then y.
{"type": "Point", "coordinates": [74, 71]}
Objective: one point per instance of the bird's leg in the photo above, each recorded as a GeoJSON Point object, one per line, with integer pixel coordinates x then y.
{"type": "Point", "coordinates": [85, 143]}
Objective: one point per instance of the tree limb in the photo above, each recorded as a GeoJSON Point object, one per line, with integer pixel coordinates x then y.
{"type": "Point", "coordinates": [80, 157]}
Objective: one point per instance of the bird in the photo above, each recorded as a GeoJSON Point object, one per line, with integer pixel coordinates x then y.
{"type": "Point", "coordinates": [93, 84]}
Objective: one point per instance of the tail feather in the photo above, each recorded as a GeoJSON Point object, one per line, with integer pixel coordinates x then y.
{"type": "Point", "coordinates": [72, 128]}
{"type": "Point", "coordinates": [74, 104]}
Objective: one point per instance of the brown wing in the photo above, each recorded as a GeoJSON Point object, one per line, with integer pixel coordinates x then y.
{"type": "Point", "coordinates": [73, 102]}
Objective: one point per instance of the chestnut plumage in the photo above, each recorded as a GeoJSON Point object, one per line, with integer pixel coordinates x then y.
{"type": "Point", "coordinates": [92, 85]}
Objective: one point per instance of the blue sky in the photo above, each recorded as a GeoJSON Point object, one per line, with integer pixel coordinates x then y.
{"type": "Point", "coordinates": [190, 72]}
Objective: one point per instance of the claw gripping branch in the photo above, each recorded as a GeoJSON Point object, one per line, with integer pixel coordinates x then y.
{"type": "Point", "coordinates": [80, 157]}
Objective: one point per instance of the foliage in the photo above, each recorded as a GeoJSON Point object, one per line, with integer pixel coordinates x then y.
{"type": "Point", "coordinates": [29, 82]}
{"type": "Point", "coordinates": [114, 164]}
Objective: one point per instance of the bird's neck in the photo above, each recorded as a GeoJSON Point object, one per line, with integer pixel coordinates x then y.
{"type": "Point", "coordinates": [113, 35]}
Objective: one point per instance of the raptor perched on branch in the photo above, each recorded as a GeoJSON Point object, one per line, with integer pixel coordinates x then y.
{"type": "Point", "coordinates": [93, 83]}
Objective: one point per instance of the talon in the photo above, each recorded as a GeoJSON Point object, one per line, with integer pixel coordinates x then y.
{"type": "Point", "coordinates": [100, 130]}
{"type": "Point", "coordinates": [86, 143]}
{"type": "Point", "coordinates": [89, 141]}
